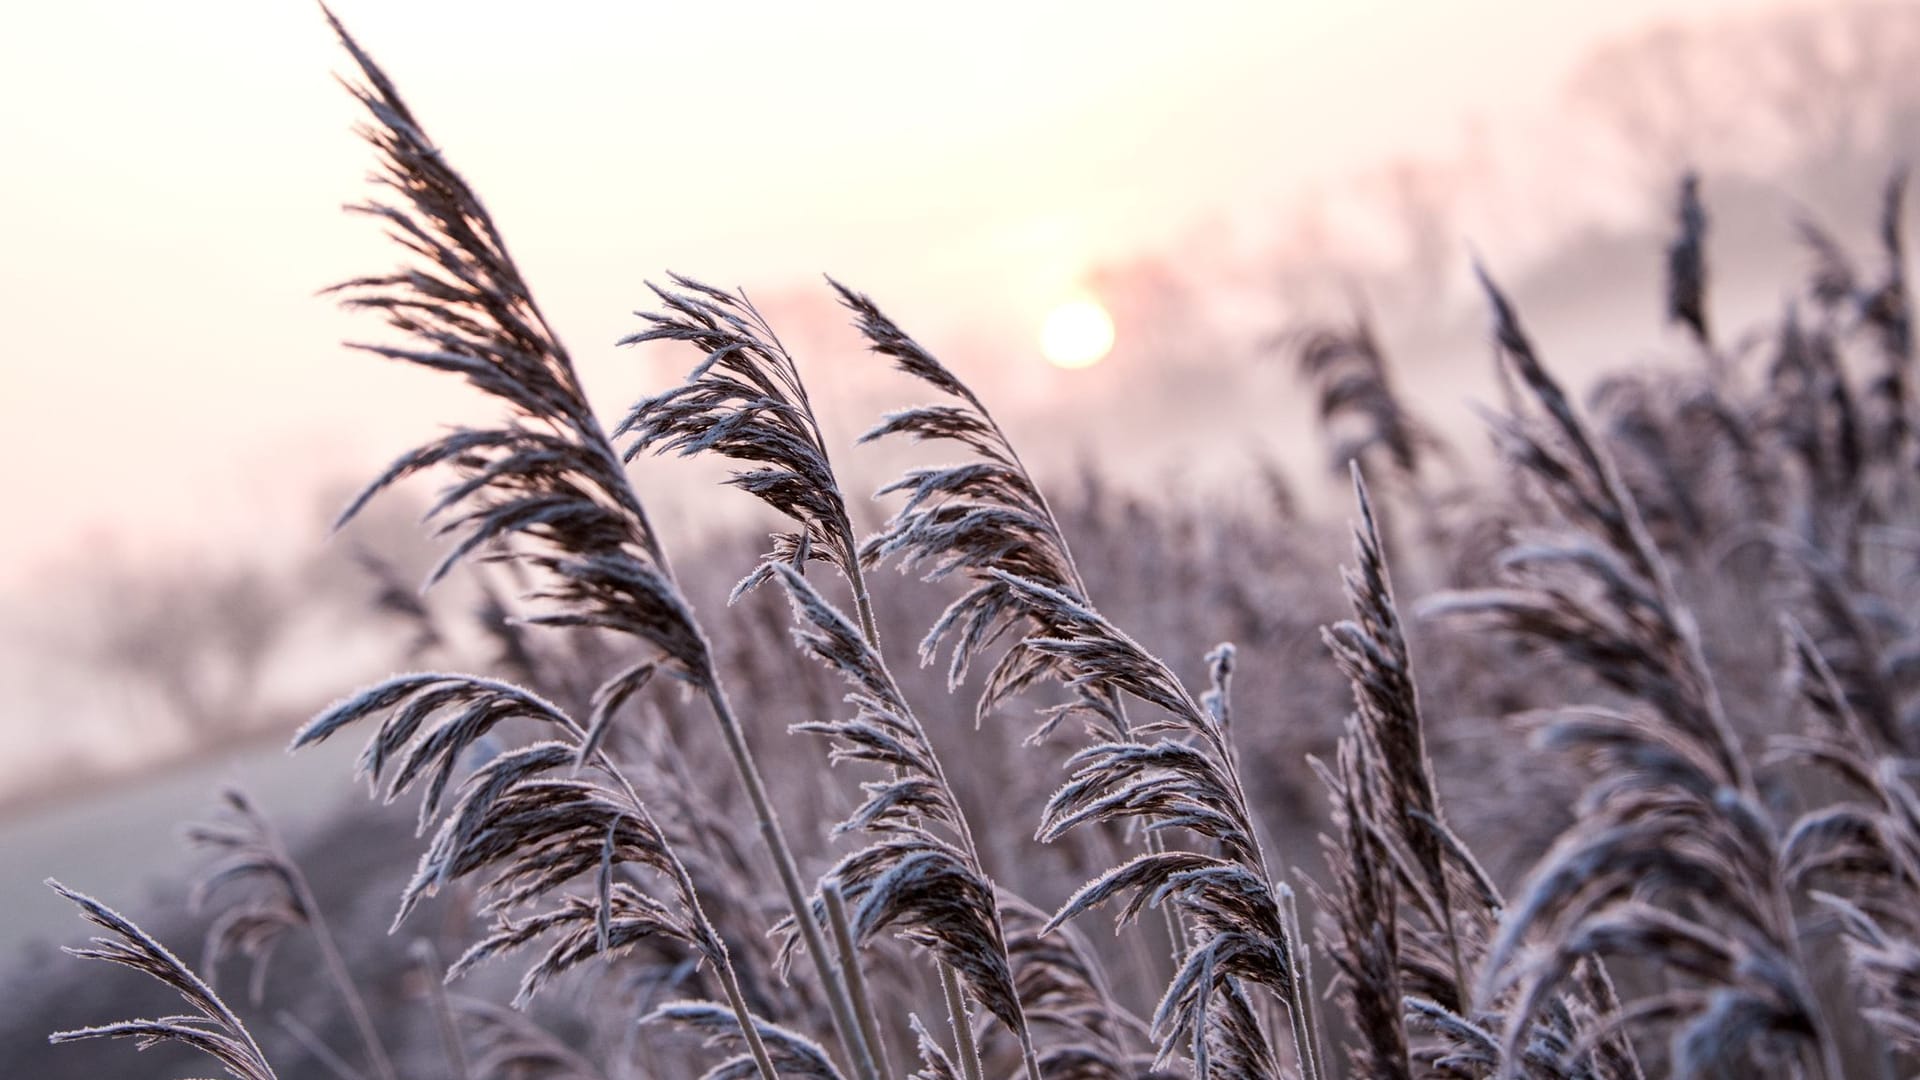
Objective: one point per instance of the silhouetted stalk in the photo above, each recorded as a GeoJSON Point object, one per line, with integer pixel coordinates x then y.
{"type": "Point", "coordinates": [336, 967]}
{"type": "Point", "coordinates": [430, 965]}
{"type": "Point", "coordinates": [718, 952]}
{"type": "Point", "coordinates": [312, 1044]}
{"type": "Point", "coordinates": [862, 600]}
{"type": "Point", "coordinates": [737, 1001]}
{"type": "Point", "coordinates": [856, 978]}
{"type": "Point", "coordinates": [768, 821]}
{"type": "Point", "coordinates": [1303, 982]}
{"type": "Point", "coordinates": [1299, 996]}
{"type": "Point", "coordinates": [721, 956]}
{"type": "Point", "coordinates": [870, 632]}
{"type": "Point", "coordinates": [962, 1027]}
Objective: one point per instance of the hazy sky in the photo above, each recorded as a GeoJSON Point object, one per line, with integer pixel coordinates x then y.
{"type": "Point", "coordinates": [173, 171]}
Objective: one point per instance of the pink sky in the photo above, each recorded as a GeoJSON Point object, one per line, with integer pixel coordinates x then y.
{"type": "Point", "coordinates": [174, 173]}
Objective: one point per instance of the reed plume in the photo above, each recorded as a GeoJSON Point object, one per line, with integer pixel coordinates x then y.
{"type": "Point", "coordinates": [530, 831]}
{"type": "Point", "coordinates": [985, 518]}
{"type": "Point", "coordinates": [1687, 263]}
{"type": "Point", "coordinates": [1880, 306]}
{"type": "Point", "coordinates": [549, 482]}
{"type": "Point", "coordinates": [922, 875]}
{"type": "Point", "coordinates": [1391, 846]}
{"type": "Point", "coordinates": [1360, 408]}
{"type": "Point", "coordinates": [261, 894]}
{"type": "Point", "coordinates": [1887, 312]}
{"type": "Point", "coordinates": [1237, 917]}
{"type": "Point", "coordinates": [1364, 901]}
{"type": "Point", "coordinates": [792, 1054]}
{"type": "Point", "coordinates": [746, 401]}
{"type": "Point", "coordinates": [1867, 845]}
{"type": "Point", "coordinates": [929, 885]}
{"type": "Point", "coordinates": [212, 1028]}
{"type": "Point", "coordinates": [1672, 855]}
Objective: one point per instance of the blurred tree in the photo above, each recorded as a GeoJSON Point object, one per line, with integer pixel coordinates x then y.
{"type": "Point", "coordinates": [1823, 86]}
{"type": "Point", "coordinates": [198, 637]}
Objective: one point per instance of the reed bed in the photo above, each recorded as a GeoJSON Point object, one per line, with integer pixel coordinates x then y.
{"type": "Point", "coordinates": [725, 864]}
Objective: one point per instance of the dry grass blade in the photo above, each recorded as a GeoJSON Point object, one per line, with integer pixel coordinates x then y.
{"type": "Point", "coordinates": [1812, 410]}
{"type": "Point", "coordinates": [747, 401]}
{"type": "Point", "coordinates": [1833, 280]}
{"type": "Point", "coordinates": [211, 1029]}
{"type": "Point", "coordinates": [547, 482]}
{"type": "Point", "coordinates": [1888, 966]}
{"type": "Point", "coordinates": [1835, 738]}
{"type": "Point", "coordinates": [935, 1062]}
{"type": "Point", "coordinates": [987, 519]}
{"type": "Point", "coordinates": [1411, 909]}
{"type": "Point", "coordinates": [1239, 930]}
{"type": "Point", "coordinates": [1471, 1049]}
{"type": "Point", "coordinates": [1098, 659]}
{"type": "Point", "coordinates": [1637, 635]}
{"type": "Point", "coordinates": [1884, 310]}
{"type": "Point", "coordinates": [434, 724]}
{"type": "Point", "coordinates": [1236, 1045]}
{"type": "Point", "coordinates": [536, 833]}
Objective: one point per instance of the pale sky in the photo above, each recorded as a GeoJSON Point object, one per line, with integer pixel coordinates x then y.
{"type": "Point", "coordinates": [173, 171]}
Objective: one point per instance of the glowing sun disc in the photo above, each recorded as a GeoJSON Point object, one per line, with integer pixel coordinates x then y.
{"type": "Point", "coordinates": [1076, 334]}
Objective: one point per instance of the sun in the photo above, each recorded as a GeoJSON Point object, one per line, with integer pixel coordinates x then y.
{"type": "Point", "coordinates": [1076, 334]}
